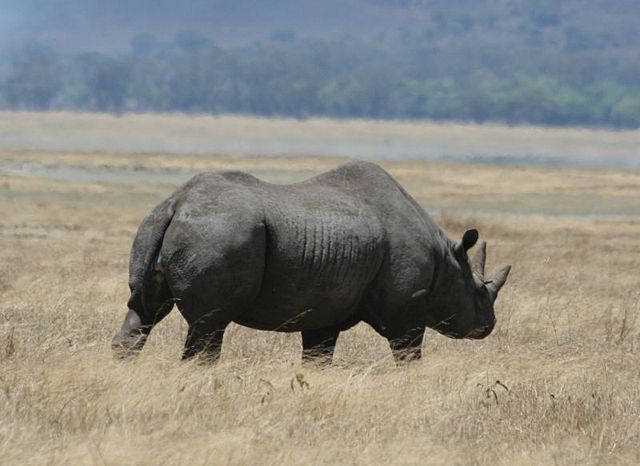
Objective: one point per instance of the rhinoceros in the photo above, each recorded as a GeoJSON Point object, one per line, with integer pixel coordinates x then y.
{"type": "Point", "coordinates": [317, 257]}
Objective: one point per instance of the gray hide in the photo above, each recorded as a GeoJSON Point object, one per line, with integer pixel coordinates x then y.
{"type": "Point", "coordinates": [315, 257]}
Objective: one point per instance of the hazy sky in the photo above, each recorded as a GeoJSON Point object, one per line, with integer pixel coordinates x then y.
{"type": "Point", "coordinates": [109, 25]}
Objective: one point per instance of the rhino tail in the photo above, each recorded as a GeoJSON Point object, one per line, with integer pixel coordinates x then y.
{"type": "Point", "coordinates": [162, 216]}
{"type": "Point", "coordinates": [150, 293]}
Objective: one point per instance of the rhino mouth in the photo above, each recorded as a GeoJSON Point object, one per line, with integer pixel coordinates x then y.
{"type": "Point", "coordinates": [481, 332]}
{"type": "Point", "coordinates": [458, 332]}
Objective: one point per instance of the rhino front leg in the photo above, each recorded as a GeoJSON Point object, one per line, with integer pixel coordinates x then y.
{"type": "Point", "coordinates": [408, 346]}
{"type": "Point", "coordinates": [318, 345]}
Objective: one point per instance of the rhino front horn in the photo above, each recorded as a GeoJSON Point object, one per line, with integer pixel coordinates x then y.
{"type": "Point", "coordinates": [494, 286]}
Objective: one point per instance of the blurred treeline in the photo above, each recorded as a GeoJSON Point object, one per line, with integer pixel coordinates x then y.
{"type": "Point", "coordinates": [442, 72]}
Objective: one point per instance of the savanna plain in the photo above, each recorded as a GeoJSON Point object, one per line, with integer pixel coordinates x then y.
{"type": "Point", "coordinates": [558, 381]}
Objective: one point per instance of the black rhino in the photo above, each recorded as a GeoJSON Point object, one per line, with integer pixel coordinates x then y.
{"type": "Point", "coordinates": [315, 257]}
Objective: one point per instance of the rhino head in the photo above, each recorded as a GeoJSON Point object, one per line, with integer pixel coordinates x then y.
{"type": "Point", "coordinates": [463, 300]}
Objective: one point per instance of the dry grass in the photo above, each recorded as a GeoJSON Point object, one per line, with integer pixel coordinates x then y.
{"type": "Point", "coordinates": [565, 349]}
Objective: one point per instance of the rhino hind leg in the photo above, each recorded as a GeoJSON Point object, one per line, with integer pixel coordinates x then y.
{"type": "Point", "coordinates": [204, 338]}
{"type": "Point", "coordinates": [318, 345]}
{"type": "Point", "coordinates": [408, 346]}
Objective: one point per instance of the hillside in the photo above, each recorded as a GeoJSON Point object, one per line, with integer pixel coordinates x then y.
{"type": "Point", "coordinates": [544, 62]}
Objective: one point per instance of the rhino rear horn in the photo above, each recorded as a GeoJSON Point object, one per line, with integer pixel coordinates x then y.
{"type": "Point", "coordinates": [479, 260]}
{"type": "Point", "coordinates": [498, 281]}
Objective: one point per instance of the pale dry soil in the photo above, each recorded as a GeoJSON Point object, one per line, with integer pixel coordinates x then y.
{"type": "Point", "coordinates": [371, 139]}
{"type": "Point", "coordinates": [557, 382]}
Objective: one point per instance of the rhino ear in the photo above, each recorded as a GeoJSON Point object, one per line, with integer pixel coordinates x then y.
{"type": "Point", "coordinates": [469, 239]}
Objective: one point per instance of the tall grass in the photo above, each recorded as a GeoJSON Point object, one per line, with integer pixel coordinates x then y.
{"type": "Point", "coordinates": [557, 382]}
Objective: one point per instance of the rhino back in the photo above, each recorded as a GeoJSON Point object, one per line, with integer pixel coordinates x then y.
{"type": "Point", "coordinates": [335, 239]}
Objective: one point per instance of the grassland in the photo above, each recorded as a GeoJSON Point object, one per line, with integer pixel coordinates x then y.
{"type": "Point", "coordinates": [565, 350]}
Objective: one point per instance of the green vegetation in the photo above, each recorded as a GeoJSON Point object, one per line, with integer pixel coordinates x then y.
{"type": "Point", "coordinates": [540, 62]}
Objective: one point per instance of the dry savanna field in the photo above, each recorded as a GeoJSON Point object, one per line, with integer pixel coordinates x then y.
{"type": "Point", "coordinates": [558, 382]}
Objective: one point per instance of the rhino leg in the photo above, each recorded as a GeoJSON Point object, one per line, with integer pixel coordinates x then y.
{"type": "Point", "coordinates": [131, 337]}
{"type": "Point", "coordinates": [318, 345]}
{"type": "Point", "coordinates": [408, 346]}
{"type": "Point", "coordinates": [204, 338]}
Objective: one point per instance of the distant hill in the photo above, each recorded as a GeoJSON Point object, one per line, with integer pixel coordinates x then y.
{"type": "Point", "coordinates": [553, 62]}
{"type": "Point", "coordinates": [108, 26]}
